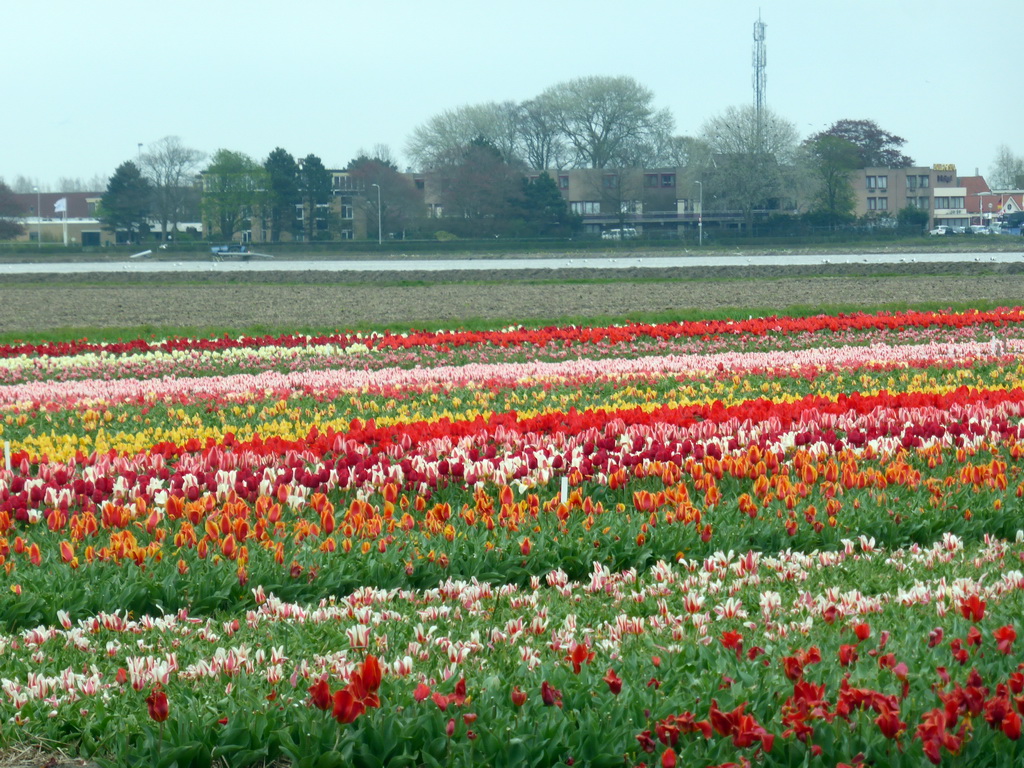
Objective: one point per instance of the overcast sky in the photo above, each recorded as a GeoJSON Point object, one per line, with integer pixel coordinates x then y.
{"type": "Point", "coordinates": [85, 83]}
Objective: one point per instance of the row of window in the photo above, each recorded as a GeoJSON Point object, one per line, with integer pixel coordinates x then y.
{"type": "Point", "coordinates": [611, 181]}
{"type": "Point", "coordinates": [941, 203]}
{"type": "Point", "coordinates": [322, 211]}
{"type": "Point", "coordinates": [584, 207]}
{"type": "Point", "coordinates": [881, 183]}
{"type": "Point", "coordinates": [593, 207]}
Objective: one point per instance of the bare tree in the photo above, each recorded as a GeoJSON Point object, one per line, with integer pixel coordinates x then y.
{"type": "Point", "coordinates": [95, 183]}
{"type": "Point", "coordinates": [607, 120]}
{"type": "Point", "coordinates": [443, 139]}
{"type": "Point", "coordinates": [384, 154]}
{"type": "Point", "coordinates": [543, 145]}
{"type": "Point", "coordinates": [1007, 170]}
{"type": "Point", "coordinates": [22, 185]}
{"type": "Point", "coordinates": [753, 159]}
{"type": "Point", "coordinates": [171, 169]}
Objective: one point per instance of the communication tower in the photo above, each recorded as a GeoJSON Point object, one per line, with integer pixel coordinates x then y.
{"type": "Point", "coordinates": [760, 60]}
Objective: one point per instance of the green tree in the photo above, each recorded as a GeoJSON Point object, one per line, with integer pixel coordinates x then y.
{"type": "Point", "coordinates": [233, 187]}
{"type": "Point", "coordinates": [125, 204]}
{"type": "Point", "coordinates": [10, 212]}
{"type": "Point", "coordinates": [314, 183]}
{"type": "Point", "coordinates": [912, 217]}
{"type": "Point", "coordinates": [282, 192]}
{"type": "Point", "coordinates": [830, 160]}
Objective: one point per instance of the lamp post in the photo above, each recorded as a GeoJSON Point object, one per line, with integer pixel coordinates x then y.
{"type": "Point", "coordinates": [39, 220]}
{"type": "Point", "coordinates": [380, 238]}
{"type": "Point", "coordinates": [700, 215]}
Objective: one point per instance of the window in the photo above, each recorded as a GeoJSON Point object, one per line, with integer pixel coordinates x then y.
{"type": "Point", "coordinates": [322, 210]}
{"type": "Point", "coordinates": [883, 203]}
{"type": "Point", "coordinates": [911, 183]}
{"type": "Point", "coordinates": [584, 207]}
{"type": "Point", "coordinates": [668, 180]}
{"type": "Point", "coordinates": [299, 212]}
{"type": "Point", "coordinates": [923, 181]}
{"type": "Point", "coordinates": [610, 181]}
{"type": "Point", "coordinates": [883, 183]}
{"type": "Point", "coordinates": [347, 211]}
{"type": "Point", "coordinates": [872, 203]}
{"type": "Point", "coordinates": [420, 183]}
{"type": "Point", "coordinates": [924, 202]}
{"type": "Point", "coordinates": [650, 179]}
{"type": "Point", "coordinates": [871, 182]}
{"type": "Point", "coordinates": [946, 203]}
{"type": "Point", "coordinates": [92, 208]}
{"type": "Point", "coordinates": [563, 182]}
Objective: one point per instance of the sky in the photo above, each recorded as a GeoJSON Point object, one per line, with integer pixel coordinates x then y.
{"type": "Point", "coordinates": [86, 83]}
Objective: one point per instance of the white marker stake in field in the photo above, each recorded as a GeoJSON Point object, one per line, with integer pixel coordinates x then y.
{"type": "Point", "coordinates": [565, 489]}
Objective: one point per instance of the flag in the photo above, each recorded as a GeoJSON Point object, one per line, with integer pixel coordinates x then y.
{"type": "Point", "coordinates": [61, 206]}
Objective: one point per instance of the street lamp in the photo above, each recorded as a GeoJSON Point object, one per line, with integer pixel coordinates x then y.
{"type": "Point", "coordinates": [700, 215]}
{"type": "Point", "coordinates": [39, 220]}
{"type": "Point", "coordinates": [380, 238]}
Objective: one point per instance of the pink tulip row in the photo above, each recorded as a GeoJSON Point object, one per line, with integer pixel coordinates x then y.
{"type": "Point", "coordinates": [330, 383]}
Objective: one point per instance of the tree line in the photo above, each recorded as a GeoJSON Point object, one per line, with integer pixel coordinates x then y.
{"type": "Point", "coordinates": [480, 164]}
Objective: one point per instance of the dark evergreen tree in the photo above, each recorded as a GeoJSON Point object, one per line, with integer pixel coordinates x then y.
{"type": "Point", "coordinates": [125, 204]}
{"type": "Point", "coordinates": [314, 190]}
{"type": "Point", "coordinates": [877, 148]}
{"type": "Point", "coordinates": [544, 210]}
{"type": "Point", "coordinates": [282, 192]}
{"type": "Point", "coordinates": [10, 212]}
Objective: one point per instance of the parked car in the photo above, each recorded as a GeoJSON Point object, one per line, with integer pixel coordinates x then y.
{"type": "Point", "coordinates": [232, 248]}
{"type": "Point", "coordinates": [627, 233]}
{"type": "Point", "coordinates": [981, 230]}
{"type": "Point", "coordinates": [942, 229]}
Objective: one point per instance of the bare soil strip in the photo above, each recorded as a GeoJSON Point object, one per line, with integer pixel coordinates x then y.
{"type": "Point", "coordinates": [359, 299]}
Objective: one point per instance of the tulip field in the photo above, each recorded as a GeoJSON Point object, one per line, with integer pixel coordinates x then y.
{"type": "Point", "coordinates": [777, 541]}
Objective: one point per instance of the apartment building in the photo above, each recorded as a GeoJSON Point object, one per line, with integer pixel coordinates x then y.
{"type": "Point", "coordinates": [883, 192]}
{"type": "Point", "coordinates": [650, 200]}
